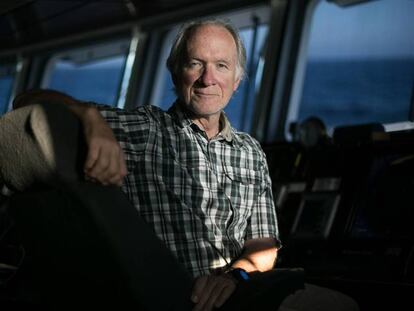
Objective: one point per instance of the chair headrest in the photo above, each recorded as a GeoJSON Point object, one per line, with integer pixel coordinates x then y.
{"type": "Point", "coordinates": [357, 134]}
{"type": "Point", "coordinates": [40, 143]}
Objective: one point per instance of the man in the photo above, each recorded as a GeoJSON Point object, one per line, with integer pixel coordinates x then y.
{"type": "Point", "coordinates": [202, 186]}
{"type": "Point", "coordinates": [218, 176]}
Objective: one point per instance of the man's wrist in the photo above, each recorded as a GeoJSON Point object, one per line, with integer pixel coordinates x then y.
{"type": "Point", "coordinates": [239, 274]}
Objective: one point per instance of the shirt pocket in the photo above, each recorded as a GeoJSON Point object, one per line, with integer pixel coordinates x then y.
{"type": "Point", "coordinates": [245, 176]}
{"type": "Point", "coordinates": [243, 187]}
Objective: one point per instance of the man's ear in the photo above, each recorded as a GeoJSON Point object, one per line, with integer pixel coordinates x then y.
{"type": "Point", "coordinates": [175, 80]}
{"type": "Point", "coordinates": [236, 84]}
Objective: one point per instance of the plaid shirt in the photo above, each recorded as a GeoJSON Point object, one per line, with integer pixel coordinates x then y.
{"type": "Point", "coordinates": [202, 197]}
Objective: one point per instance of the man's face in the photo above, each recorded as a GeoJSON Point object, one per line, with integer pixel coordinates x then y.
{"type": "Point", "coordinates": [208, 76]}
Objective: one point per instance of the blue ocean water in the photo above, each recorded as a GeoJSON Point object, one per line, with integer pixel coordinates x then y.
{"type": "Point", "coordinates": [100, 85]}
{"type": "Point", "coordinates": [359, 91]}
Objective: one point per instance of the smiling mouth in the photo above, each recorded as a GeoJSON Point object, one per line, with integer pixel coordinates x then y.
{"type": "Point", "coordinates": [204, 94]}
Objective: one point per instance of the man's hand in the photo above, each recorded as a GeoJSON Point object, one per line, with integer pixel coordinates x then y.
{"type": "Point", "coordinates": [212, 291]}
{"type": "Point", "coordinates": [105, 161]}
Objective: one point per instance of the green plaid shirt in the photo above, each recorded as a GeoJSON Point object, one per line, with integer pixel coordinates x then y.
{"type": "Point", "coordinates": [203, 197]}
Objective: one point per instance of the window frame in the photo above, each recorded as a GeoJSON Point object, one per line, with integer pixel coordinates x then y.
{"type": "Point", "coordinates": [110, 45]}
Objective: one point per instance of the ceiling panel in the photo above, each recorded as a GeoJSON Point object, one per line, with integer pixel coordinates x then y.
{"type": "Point", "coordinates": [27, 22]}
{"type": "Point", "coordinates": [24, 22]}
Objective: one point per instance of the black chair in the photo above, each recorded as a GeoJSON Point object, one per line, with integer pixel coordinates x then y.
{"type": "Point", "coordinates": [90, 248]}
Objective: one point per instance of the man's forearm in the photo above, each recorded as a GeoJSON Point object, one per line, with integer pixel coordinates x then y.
{"type": "Point", "coordinates": [259, 255]}
{"type": "Point", "coordinates": [86, 113]}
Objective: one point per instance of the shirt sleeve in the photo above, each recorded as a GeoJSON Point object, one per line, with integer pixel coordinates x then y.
{"type": "Point", "coordinates": [263, 220]}
{"type": "Point", "coordinates": [130, 128]}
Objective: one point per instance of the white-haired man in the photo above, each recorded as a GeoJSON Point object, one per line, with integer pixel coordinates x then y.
{"type": "Point", "coordinates": [201, 185]}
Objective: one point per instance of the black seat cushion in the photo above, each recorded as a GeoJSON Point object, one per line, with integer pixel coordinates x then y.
{"type": "Point", "coordinates": [90, 248]}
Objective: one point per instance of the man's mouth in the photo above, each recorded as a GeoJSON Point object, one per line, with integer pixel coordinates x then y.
{"type": "Point", "coordinates": [197, 93]}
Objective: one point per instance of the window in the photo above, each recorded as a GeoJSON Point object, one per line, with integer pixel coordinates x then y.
{"type": "Point", "coordinates": [240, 108]}
{"type": "Point", "coordinates": [359, 64]}
{"type": "Point", "coordinates": [90, 74]}
{"type": "Point", "coordinates": [7, 74]}
{"type": "Point", "coordinates": [253, 28]}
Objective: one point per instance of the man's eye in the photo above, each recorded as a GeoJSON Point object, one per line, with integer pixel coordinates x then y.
{"type": "Point", "coordinates": [222, 66]}
{"type": "Point", "coordinates": [194, 64]}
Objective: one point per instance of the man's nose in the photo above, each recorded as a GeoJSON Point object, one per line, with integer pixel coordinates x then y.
{"type": "Point", "coordinates": [208, 76]}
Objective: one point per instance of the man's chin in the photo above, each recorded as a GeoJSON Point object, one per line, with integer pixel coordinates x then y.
{"type": "Point", "coordinates": [204, 113]}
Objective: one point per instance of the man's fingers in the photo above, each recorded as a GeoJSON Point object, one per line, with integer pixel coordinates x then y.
{"type": "Point", "coordinates": [204, 295]}
{"type": "Point", "coordinates": [215, 291]}
{"type": "Point", "coordinates": [100, 165]}
{"type": "Point", "coordinates": [109, 167]}
{"type": "Point", "coordinates": [211, 292]}
{"type": "Point", "coordinates": [92, 156]}
{"type": "Point", "coordinates": [121, 170]}
{"type": "Point", "coordinates": [214, 294]}
{"type": "Point", "coordinates": [117, 176]}
{"type": "Point", "coordinates": [223, 289]}
{"type": "Point", "coordinates": [112, 168]}
{"type": "Point", "coordinates": [105, 161]}
{"type": "Point", "coordinates": [225, 294]}
{"type": "Point", "coordinates": [198, 288]}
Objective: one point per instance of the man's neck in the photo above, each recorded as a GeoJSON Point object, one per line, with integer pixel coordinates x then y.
{"type": "Point", "coordinates": [210, 124]}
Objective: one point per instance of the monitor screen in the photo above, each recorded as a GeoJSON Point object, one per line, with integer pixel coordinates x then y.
{"type": "Point", "coordinates": [315, 215]}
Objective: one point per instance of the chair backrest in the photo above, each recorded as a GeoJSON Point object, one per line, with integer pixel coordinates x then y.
{"type": "Point", "coordinates": [90, 248]}
{"type": "Point", "coordinates": [40, 143]}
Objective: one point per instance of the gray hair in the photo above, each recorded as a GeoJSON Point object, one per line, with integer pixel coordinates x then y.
{"type": "Point", "coordinates": [176, 58]}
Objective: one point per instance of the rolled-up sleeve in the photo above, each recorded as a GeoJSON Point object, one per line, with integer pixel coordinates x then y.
{"type": "Point", "coordinates": [263, 219]}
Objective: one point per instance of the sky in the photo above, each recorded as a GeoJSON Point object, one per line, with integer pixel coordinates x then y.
{"type": "Point", "coordinates": [381, 28]}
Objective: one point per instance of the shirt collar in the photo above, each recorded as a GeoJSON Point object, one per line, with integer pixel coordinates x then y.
{"type": "Point", "coordinates": [181, 117]}
{"type": "Point", "coordinates": [227, 131]}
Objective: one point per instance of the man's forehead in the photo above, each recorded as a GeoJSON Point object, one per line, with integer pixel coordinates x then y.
{"type": "Point", "coordinates": [219, 33]}
{"type": "Point", "coordinates": [211, 29]}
